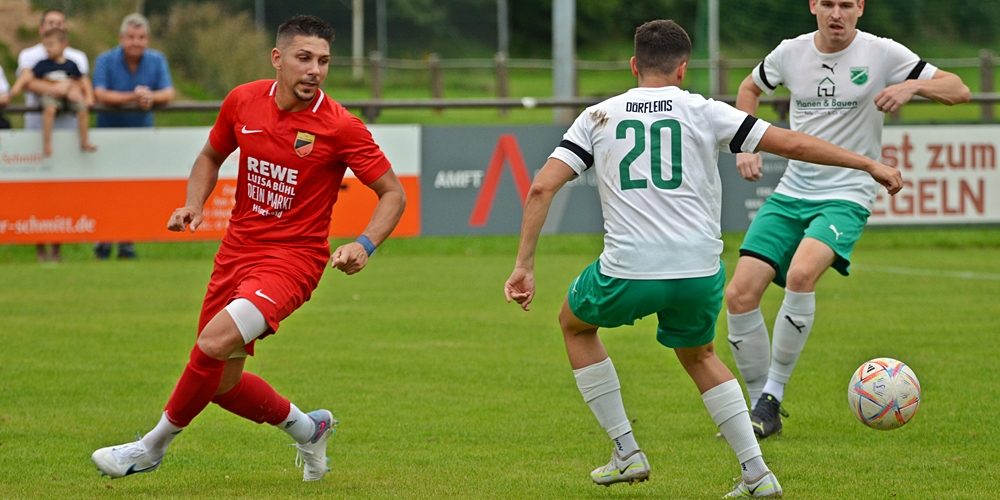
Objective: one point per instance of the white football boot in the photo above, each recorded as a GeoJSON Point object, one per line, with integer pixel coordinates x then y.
{"type": "Point", "coordinates": [764, 486]}
{"type": "Point", "coordinates": [123, 460]}
{"type": "Point", "coordinates": [631, 468]}
{"type": "Point", "coordinates": [312, 454]}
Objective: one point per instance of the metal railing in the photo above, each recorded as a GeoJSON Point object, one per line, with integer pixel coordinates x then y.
{"type": "Point", "coordinates": [986, 99]}
{"type": "Point", "coordinates": [371, 108]}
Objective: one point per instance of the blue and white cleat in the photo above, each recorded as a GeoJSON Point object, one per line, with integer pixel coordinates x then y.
{"type": "Point", "coordinates": [312, 454]}
{"type": "Point", "coordinates": [124, 460]}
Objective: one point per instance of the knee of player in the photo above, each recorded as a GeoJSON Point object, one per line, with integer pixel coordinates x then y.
{"type": "Point", "coordinates": [740, 299]}
{"type": "Point", "coordinates": [799, 279]}
{"type": "Point", "coordinates": [217, 343]}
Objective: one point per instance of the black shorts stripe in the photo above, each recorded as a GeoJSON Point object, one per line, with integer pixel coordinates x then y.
{"type": "Point", "coordinates": [751, 253]}
{"type": "Point", "coordinates": [736, 145]}
{"type": "Point", "coordinates": [919, 68]}
{"type": "Point", "coordinates": [763, 76]}
{"type": "Point", "coordinates": [587, 158]}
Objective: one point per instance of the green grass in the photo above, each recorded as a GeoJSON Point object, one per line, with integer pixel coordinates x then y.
{"type": "Point", "coordinates": [445, 391]}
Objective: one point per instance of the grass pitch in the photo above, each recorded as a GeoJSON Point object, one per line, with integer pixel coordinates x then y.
{"type": "Point", "coordinates": [445, 391]}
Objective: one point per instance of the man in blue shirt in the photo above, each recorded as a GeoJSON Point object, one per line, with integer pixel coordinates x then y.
{"type": "Point", "coordinates": [135, 78]}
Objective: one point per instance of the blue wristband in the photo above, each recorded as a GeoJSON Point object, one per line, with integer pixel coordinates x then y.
{"type": "Point", "coordinates": [367, 243]}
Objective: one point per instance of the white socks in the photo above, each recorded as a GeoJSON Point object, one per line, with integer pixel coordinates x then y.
{"type": "Point", "coordinates": [157, 440]}
{"type": "Point", "coordinates": [751, 350]}
{"type": "Point", "coordinates": [776, 389]}
{"type": "Point", "coordinates": [598, 383]}
{"type": "Point", "coordinates": [298, 425]}
{"type": "Point", "coordinates": [791, 329]}
{"type": "Point", "coordinates": [725, 404]}
{"type": "Point", "coordinates": [767, 368]}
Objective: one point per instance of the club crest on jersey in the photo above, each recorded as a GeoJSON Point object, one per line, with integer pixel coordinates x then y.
{"type": "Point", "coordinates": [304, 143]}
{"type": "Point", "coordinates": [859, 75]}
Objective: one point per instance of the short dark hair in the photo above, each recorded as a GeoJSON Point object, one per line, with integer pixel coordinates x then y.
{"type": "Point", "coordinates": [302, 25]}
{"type": "Point", "coordinates": [46, 13]}
{"type": "Point", "coordinates": [660, 46]}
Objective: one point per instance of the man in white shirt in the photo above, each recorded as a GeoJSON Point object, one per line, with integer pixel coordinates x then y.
{"type": "Point", "coordinates": [26, 60]}
{"type": "Point", "coordinates": [4, 91]}
{"type": "Point", "coordinates": [841, 81]}
{"type": "Point", "coordinates": [655, 153]}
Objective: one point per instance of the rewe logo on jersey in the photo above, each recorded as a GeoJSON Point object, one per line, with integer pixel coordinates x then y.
{"type": "Point", "coordinates": [507, 151]}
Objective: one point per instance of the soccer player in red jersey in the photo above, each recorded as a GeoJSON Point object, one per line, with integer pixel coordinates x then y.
{"type": "Point", "coordinates": [295, 145]}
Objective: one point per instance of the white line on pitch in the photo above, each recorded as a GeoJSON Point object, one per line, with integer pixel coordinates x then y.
{"type": "Point", "coordinates": [964, 275]}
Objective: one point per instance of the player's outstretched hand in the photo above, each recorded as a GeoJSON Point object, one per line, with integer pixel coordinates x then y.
{"type": "Point", "coordinates": [184, 216]}
{"type": "Point", "coordinates": [888, 177]}
{"type": "Point", "coordinates": [349, 258]}
{"type": "Point", "coordinates": [520, 287]}
{"type": "Point", "coordinates": [750, 166]}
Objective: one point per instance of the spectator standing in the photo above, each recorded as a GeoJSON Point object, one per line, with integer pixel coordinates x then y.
{"type": "Point", "coordinates": [135, 78]}
{"type": "Point", "coordinates": [26, 61]}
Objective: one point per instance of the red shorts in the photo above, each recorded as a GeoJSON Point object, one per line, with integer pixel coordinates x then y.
{"type": "Point", "coordinates": [276, 280]}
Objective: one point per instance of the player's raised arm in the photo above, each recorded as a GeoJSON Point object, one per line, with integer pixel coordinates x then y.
{"type": "Point", "coordinates": [749, 165]}
{"type": "Point", "coordinates": [201, 182]}
{"type": "Point", "coordinates": [944, 87]}
{"type": "Point", "coordinates": [520, 286]}
{"type": "Point", "coordinates": [804, 147]}
{"type": "Point", "coordinates": [352, 257]}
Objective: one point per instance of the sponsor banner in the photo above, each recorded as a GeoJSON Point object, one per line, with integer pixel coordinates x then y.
{"type": "Point", "coordinates": [475, 179]}
{"type": "Point", "coordinates": [949, 175]}
{"type": "Point", "coordinates": [130, 186]}
{"type": "Point", "coordinates": [137, 210]}
{"type": "Point", "coordinates": [741, 198]}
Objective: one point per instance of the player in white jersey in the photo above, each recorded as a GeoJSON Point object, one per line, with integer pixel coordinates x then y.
{"type": "Point", "coordinates": [655, 151]}
{"type": "Point", "coordinates": [841, 81]}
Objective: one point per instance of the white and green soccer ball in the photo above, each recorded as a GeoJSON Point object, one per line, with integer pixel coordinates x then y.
{"type": "Point", "coordinates": [884, 393]}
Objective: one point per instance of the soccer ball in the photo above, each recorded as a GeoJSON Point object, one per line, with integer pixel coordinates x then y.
{"type": "Point", "coordinates": [884, 393]}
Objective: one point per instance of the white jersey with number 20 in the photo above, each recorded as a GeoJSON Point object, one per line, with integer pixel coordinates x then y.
{"type": "Point", "coordinates": [655, 152]}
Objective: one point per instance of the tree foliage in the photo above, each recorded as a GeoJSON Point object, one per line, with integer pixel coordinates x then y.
{"type": "Point", "coordinates": [464, 28]}
{"type": "Point", "coordinates": [217, 43]}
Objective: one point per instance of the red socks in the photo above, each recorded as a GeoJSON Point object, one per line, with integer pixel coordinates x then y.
{"type": "Point", "coordinates": [195, 388]}
{"type": "Point", "coordinates": [254, 399]}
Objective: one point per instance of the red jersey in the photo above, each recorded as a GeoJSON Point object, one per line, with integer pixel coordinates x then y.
{"type": "Point", "coordinates": [291, 165]}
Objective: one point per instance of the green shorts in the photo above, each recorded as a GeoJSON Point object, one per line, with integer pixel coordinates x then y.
{"type": "Point", "coordinates": [686, 309]}
{"type": "Point", "coordinates": [782, 222]}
